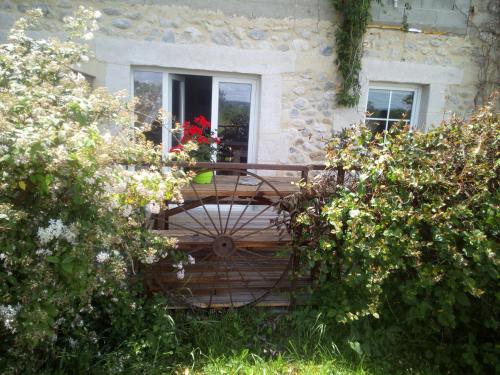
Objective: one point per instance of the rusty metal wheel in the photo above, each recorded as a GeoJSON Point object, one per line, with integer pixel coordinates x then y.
{"type": "Point", "coordinates": [237, 239]}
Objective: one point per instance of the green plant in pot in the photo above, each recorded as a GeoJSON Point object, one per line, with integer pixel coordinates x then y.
{"type": "Point", "coordinates": [198, 134]}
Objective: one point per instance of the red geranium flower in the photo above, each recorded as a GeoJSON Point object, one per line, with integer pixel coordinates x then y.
{"type": "Point", "coordinates": [216, 139]}
{"type": "Point", "coordinates": [194, 130]}
{"type": "Point", "coordinates": [203, 139]}
{"type": "Point", "coordinates": [202, 121]}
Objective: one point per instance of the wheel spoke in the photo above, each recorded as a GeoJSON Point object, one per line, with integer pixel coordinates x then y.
{"type": "Point", "coordinates": [228, 283]}
{"type": "Point", "coordinates": [213, 284]}
{"type": "Point", "coordinates": [201, 261]}
{"type": "Point", "coordinates": [246, 207]}
{"type": "Point", "coordinates": [255, 253]}
{"type": "Point", "coordinates": [195, 219]}
{"type": "Point", "coordinates": [192, 230]}
{"type": "Point", "coordinates": [218, 205]}
{"type": "Point", "coordinates": [253, 267]}
{"type": "Point", "coordinates": [196, 250]}
{"type": "Point", "coordinates": [251, 219]}
{"type": "Point", "coordinates": [210, 301]}
{"type": "Point", "coordinates": [203, 205]}
{"type": "Point", "coordinates": [205, 258]}
{"type": "Point", "coordinates": [255, 232]}
{"type": "Point", "coordinates": [232, 202]}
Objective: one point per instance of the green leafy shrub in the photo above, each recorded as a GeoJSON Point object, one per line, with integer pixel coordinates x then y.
{"type": "Point", "coordinates": [71, 218]}
{"type": "Point", "coordinates": [409, 242]}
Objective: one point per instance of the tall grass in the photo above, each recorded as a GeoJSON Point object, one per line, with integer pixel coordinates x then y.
{"type": "Point", "coordinates": [244, 341]}
{"type": "Point", "coordinates": [260, 341]}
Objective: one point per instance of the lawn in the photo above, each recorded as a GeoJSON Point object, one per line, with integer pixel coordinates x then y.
{"type": "Point", "coordinates": [263, 341]}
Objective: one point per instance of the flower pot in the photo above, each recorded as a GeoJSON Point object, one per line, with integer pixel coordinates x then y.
{"type": "Point", "coordinates": [203, 177]}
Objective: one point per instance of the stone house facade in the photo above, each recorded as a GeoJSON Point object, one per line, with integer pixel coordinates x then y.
{"type": "Point", "coordinates": [271, 64]}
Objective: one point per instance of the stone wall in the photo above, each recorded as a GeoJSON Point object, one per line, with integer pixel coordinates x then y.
{"type": "Point", "coordinates": [295, 62]}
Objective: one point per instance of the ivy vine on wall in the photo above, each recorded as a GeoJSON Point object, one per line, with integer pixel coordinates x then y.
{"type": "Point", "coordinates": [355, 15]}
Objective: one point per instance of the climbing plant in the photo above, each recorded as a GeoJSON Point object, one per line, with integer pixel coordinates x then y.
{"type": "Point", "coordinates": [355, 15]}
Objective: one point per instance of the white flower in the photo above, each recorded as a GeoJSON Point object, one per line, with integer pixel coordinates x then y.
{"type": "Point", "coordinates": [70, 234]}
{"type": "Point", "coordinates": [153, 207]}
{"type": "Point", "coordinates": [127, 210]}
{"type": "Point", "coordinates": [8, 315]}
{"type": "Point", "coordinates": [354, 213]}
{"type": "Point", "coordinates": [43, 252]}
{"type": "Point", "coordinates": [102, 257]}
{"type": "Point", "coordinates": [180, 274]}
{"type": "Point", "coordinates": [55, 230]}
{"type": "Point", "coordinates": [3, 256]}
{"type": "Point", "coordinates": [90, 180]}
{"type": "Point", "coordinates": [160, 194]}
{"type": "Point", "coordinates": [88, 36]}
{"type": "Point", "coordinates": [121, 187]}
{"type": "Point", "coordinates": [142, 190]}
{"type": "Point", "coordinates": [191, 259]}
{"type": "Point", "coordinates": [149, 259]}
{"type": "Point", "coordinates": [72, 342]}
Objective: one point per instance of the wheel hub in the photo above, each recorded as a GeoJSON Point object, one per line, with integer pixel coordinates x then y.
{"type": "Point", "coordinates": [223, 246]}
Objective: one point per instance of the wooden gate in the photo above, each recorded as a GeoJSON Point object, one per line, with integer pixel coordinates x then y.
{"type": "Point", "coordinates": [236, 239]}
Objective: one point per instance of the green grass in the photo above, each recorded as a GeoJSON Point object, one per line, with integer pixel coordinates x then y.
{"type": "Point", "coordinates": [259, 341]}
{"type": "Point", "coordinates": [244, 341]}
{"type": "Point", "coordinates": [248, 363]}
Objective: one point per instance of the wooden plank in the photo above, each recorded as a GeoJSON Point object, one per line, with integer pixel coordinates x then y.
{"type": "Point", "coordinates": [243, 238]}
{"type": "Point", "coordinates": [270, 300]}
{"type": "Point", "coordinates": [276, 187]}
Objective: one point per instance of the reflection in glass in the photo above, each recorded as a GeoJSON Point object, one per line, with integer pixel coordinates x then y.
{"type": "Point", "coordinates": [388, 107]}
{"type": "Point", "coordinates": [378, 103]}
{"type": "Point", "coordinates": [400, 123]}
{"type": "Point", "coordinates": [401, 104]}
{"type": "Point", "coordinates": [376, 126]}
{"type": "Point", "coordinates": [148, 88]}
{"type": "Point", "coordinates": [176, 108]}
{"type": "Point", "coordinates": [234, 121]}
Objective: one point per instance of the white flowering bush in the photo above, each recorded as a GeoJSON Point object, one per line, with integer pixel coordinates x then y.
{"type": "Point", "coordinates": [72, 218]}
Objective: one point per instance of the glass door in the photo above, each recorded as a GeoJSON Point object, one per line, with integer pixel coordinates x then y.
{"type": "Point", "coordinates": [175, 107]}
{"type": "Point", "coordinates": [147, 88]}
{"type": "Point", "coordinates": [233, 118]}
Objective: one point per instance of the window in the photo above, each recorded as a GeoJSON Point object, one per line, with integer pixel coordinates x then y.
{"type": "Point", "coordinates": [389, 105]}
{"type": "Point", "coordinates": [148, 90]}
{"type": "Point", "coordinates": [228, 101]}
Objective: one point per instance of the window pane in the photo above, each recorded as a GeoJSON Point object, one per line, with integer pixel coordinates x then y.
{"type": "Point", "coordinates": [147, 88]}
{"type": "Point", "coordinates": [397, 123]}
{"type": "Point", "coordinates": [378, 103]}
{"type": "Point", "coordinates": [234, 120]}
{"type": "Point", "coordinates": [176, 101]}
{"type": "Point", "coordinates": [401, 104]}
{"type": "Point", "coordinates": [175, 111]}
{"type": "Point", "coordinates": [376, 126]}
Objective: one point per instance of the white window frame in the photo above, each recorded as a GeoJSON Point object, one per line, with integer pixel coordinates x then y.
{"type": "Point", "coordinates": [417, 93]}
{"type": "Point", "coordinates": [167, 126]}
{"type": "Point", "coordinates": [216, 78]}
{"type": "Point", "coordinates": [252, 131]}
